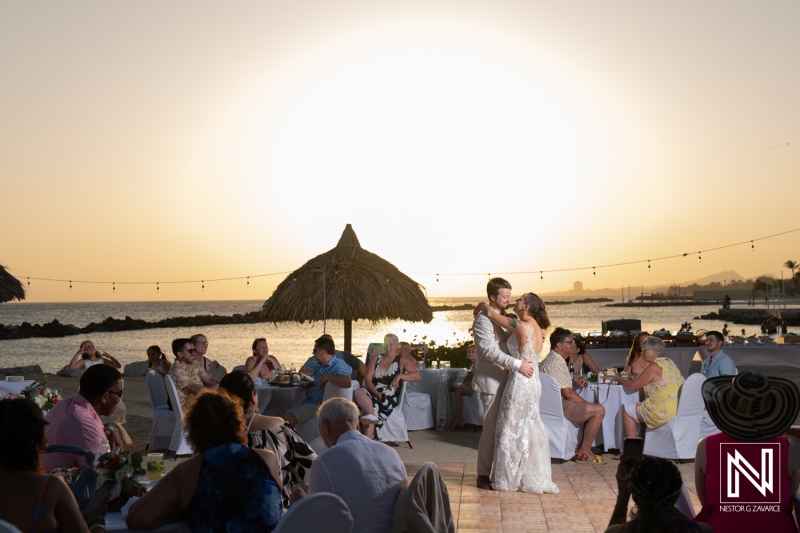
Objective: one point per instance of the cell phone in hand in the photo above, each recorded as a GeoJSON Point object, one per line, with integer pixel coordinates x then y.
{"type": "Point", "coordinates": [632, 450]}
{"type": "Point", "coordinates": [100, 497]}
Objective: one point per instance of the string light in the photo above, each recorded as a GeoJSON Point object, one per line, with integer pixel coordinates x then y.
{"type": "Point", "coordinates": [204, 285]}
{"type": "Point", "coordinates": [437, 274]}
{"type": "Point", "coordinates": [699, 258]}
{"type": "Point", "coordinates": [70, 284]}
{"type": "Point", "coordinates": [113, 287]}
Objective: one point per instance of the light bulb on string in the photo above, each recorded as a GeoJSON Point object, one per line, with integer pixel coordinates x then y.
{"type": "Point", "coordinates": [203, 286]}
{"type": "Point", "coordinates": [248, 282]}
{"type": "Point", "coordinates": [437, 277]}
{"type": "Point", "coordinates": [648, 265]}
{"type": "Point", "coordinates": [113, 286]}
{"type": "Point", "coordinates": [29, 283]}
{"type": "Point", "coordinates": [752, 247]}
{"type": "Point", "coordinates": [70, 284]}
{"type": "Point", "coordinates": [699, 258]}
{"type": "Point", "coordinates": [158, 288]}
{"type": "Point", "coordinates": [594, 273]}
{"type": "Point", "coordinates": [541, 276]}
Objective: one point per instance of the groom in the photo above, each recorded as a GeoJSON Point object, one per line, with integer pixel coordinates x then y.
{"type": "Point", "coordinates": [492, 368]}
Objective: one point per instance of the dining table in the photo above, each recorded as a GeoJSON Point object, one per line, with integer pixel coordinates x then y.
{"type": "Point", "coordinates": [116, 522]}
{"type": "Point", "coordinates": [274, 400]}
{"type": "Point", "coordinates": [13, 387]}
{"type": "Point", "coordinates": [437, 384]}
{"type": "Point", "coordinates": [612, 396]}
{"type": "Point", "coordinates": [615, 357]}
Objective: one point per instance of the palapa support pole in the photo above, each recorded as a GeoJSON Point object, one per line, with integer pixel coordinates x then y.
{"type": "Point", "coordinates": [348, 335]}
{"type": "Point", "coordinates": [324, 305]}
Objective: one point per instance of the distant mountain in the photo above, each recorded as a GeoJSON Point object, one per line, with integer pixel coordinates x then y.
{"type": "Point", "coordinates": [722, 277]}
{"type": "Point", "coordinates": [728, 275]}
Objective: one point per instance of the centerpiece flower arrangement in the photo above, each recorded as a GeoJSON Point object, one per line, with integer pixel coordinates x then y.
{"type": "Point", "coordinates": [125, 467]}
{"type": "Point", "coordinates": [591, 377]}
{"type": "Point", "coordinates": [122, 466]}
{"type": "Point", "coordinates": [39, 393]}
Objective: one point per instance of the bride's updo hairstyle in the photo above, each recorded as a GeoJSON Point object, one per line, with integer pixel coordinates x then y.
{"type": "Point", "coordinates": [536, 309]}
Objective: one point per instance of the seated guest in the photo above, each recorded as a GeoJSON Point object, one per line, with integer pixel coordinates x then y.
{"type": "Point", "coordinates": [261, 364]}
{"type": "Point", "coordinates": [576, 409]}
{"type": "Point", "coordinates": [225, 486]}
{"type": "Point", "coordinates": [655, 484]}
{"type": "Point", "coordinates": [201, 343]}
{"type": "Point", "coordinates": [76, 421]}
{"type": "Point", "coordinates": [272, 433]}
{"type": "Point", "coordinates": [32, 501]}
{"type": "Point", "coordinates": [359, 370]}
{"type": "Point", "coordinates": [465, 388]}
{"type": "Point", "coordinates": [329, 369]}
{"type": "Point", "coordinates": [718, 362]}
{"type": "Point", "coordinates": [661, 381]}
{"type": "Point", "coordinates": [635, 363]}
{"type": "Point", "coordinates": [752, 412]}
{"type": "Point", "coordinates": [367, 475]}
{"type": "Point", "coordinates": [88, 355]}
{"type": "Point", "coordinates": [157, 360]}
{"type": "Point", "coordinates": [188, 374]}
{"type": "Point", "coordinates": [381, 394]}
{"type": "Point", "coordinates": [581, 360]}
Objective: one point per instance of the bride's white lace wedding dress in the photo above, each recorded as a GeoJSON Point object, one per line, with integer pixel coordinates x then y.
{"type": "Point", "coordinates": [522, 450]}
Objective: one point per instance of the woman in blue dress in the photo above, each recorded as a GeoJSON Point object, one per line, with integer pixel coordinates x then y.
{"type": "Point", "coordinates": [226, 486]}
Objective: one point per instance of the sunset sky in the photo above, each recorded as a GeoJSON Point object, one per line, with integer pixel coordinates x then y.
{"type": "Point", "coordinates": [167, 141]}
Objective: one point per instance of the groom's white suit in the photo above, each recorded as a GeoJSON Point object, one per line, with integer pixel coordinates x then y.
{"type": "Point", "coordinates": [493, 364]}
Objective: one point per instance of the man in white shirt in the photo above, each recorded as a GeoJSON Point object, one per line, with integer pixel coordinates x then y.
{"type": "Point", "coordinates": [366, 474]}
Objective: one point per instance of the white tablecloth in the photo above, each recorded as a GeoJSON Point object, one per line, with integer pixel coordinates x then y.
{"type": "Point", "coordinates": [13, 387]}
{"type": "Point", "coordinates": [274, 401]}
{"type": "Point", "coordinates": [612, 397]}
{"type": "Point", "coordinates": [615, 357]}
{"type": "Point", "coordinates": [437, 383]}
{"type": "Point", "coordinates": [115, 522]}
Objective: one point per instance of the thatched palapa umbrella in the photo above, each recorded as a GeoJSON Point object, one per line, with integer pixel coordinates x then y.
{"type": "Point", "coordinates": [10, 287]}
{"type": "Point", "coordinates": [347, 283]}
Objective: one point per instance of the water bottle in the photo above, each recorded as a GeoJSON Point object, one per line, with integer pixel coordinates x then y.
{"type": "Point", "coordinates": [283, 369]}
{"type": "Point", "coordinates": [292, 369]}
{"type": "Point", "coordinates": [571, 371]}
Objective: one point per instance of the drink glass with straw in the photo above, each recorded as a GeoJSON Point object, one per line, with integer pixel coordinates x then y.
{"type": "Point", "coordinates": [155, 466]}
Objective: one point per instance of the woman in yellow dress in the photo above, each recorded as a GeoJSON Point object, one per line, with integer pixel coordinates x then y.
{"type": "Point", "coordinates": [661, 381]}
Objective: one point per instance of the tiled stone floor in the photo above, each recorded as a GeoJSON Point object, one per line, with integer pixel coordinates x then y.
{"type": "Point", "coordinates": [584, 503]}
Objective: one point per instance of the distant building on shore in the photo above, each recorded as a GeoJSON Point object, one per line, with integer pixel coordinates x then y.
{"type": "Point", "coordinates": [577, 286]}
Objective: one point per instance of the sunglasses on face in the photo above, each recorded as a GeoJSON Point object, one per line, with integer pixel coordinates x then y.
{"type": "Point", "coordinates": [190, 350]}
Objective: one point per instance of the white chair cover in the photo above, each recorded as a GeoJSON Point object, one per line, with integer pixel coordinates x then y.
{"type": "Point", "coordinates": [318, 445]}
{"type": "Point", "coordinates": [419, 412]}
{"type": "Point", "coordinates": [677, 439]}
{"type": "Point", "coordinates": [5, 527]}
{"type": "Point", "coordinates": [563, 433]}
{"type": "Point", "coordinates": [178, 442]}
{"type": "Point", "coordinates": [708, 428]}
{"type": "Point", "coordinates": [239, 367]}
{"type": "Point", "coordinates": [472, 409]}
{"type": "Point", "coordinates": [321, 511]}
{"type": "Point", "coordinates": [163, 418]}
{"type": "Point", "coordinates": [394, 429]}
{"type": "Point", "coordinates": [309, 429]}
{"type": "Point", "coordinates": [684, 503]}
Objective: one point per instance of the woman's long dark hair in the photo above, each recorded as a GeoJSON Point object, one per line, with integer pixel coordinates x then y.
{"type": "Point", "coordinates": [154, 348]}
{"type": "Point", "coordinates": [655, 485]}
{"type": "Point", "coordinates": [23, 434]}
{"type": "Point", "coordinates": [636, 348]}
{"type": "Point", "coordinates": [536, 309]}
{"type": "Point", "coordinates": [241, 385]}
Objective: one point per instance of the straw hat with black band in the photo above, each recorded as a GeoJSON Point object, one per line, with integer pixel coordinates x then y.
{"type": "Point", "coordinates": [750, 406]}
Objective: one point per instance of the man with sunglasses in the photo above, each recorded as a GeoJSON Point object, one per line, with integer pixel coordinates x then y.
{"type": "Point", "coordinates": [76, 421]}
{"type": "Point", "coordinates": [188, 374]}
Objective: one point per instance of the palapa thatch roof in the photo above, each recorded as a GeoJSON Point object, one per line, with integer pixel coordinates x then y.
{"type": "Point", "coordinates": [10, 287]}
{"type": "Point", "coordinates": [358, 285]}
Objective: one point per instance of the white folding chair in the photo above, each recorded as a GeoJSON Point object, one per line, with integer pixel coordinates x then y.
{"type": "Point", "coordinates": [5, 527]}
{"type": "Point", "coordinates": [318, 445]}
{"type": "Point", "coordinates": [309, 429]}
{"type": "Point", "coordinates": [321, 511]}
{"type": "Point", "coordinates": [472, 409]}
{"type": "Point", "coordinates": [239, 367]}
{"type": "Point", "coordinates": [419, 411]}
{"type": "Point", "coordinates": [163, 418]}
{"type": "Point", "coordinates": [563, 433]}
{"type": "Point", "coordinates": [677, 439]}
{"type": "Point", "coordinates": [178, 442]}
{"type": "Point", "coordinates": [394, 428]}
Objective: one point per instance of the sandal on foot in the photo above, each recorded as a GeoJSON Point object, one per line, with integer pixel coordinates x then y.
{"type": "Point", "coordinates": [584, 457]}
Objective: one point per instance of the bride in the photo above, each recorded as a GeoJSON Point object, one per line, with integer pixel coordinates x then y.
{"type": "Point", "coordinates": [522, 450]}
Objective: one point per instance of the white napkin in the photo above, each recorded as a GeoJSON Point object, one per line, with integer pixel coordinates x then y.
{"type": "Point", "coordinates": [124, 510]}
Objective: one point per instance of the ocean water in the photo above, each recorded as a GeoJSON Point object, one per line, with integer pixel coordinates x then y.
{"type": "Point", "coordinates": [290, 342]}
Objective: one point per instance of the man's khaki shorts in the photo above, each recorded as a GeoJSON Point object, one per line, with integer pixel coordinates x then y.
{"type": "Point", "coordinates": [305, 412]}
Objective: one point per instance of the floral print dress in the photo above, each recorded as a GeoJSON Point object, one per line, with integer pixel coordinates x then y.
{"type": "Point", "coordinates": [661, 398]}
{"type": "Point", "coordinates": [383, 383]}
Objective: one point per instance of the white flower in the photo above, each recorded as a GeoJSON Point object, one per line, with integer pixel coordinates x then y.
{"type": "Point", "coordinates": [40, 401]}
